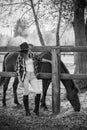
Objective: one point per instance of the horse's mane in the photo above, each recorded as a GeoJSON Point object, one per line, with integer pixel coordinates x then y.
{"type": "Point", "coordinates": [48, 55]}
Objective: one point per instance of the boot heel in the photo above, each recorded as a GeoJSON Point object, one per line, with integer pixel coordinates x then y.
{"type": "Point", "coordinates": [36, 112]}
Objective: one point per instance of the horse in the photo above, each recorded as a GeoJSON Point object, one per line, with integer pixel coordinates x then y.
{"type": "Point", "coordinates": [9, 63]}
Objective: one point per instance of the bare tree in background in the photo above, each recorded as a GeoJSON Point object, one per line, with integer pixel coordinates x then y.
{"type": "Point", "coordinates": [80, 39]}
{"type": "Point", "coordinates": [37, 24]}
{"type": "Point", "coordinates": [58, 24]}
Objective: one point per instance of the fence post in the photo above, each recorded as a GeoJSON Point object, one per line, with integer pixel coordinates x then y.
{"type": "Point", "coordinates": [56, 80]}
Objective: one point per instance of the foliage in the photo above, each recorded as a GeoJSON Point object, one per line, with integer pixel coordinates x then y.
{"type": "Point", "coordinates": [46, 10]}
{"type": "Point", "coordinates": [11, 10]}
{"type": "Point", "coordinates": [19, 27]}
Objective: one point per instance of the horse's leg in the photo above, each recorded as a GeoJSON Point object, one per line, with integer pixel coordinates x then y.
{"type": "Point", "coordinates": [45, 85]}
{"type": "Point", "coordinates": [15, 85]}
{"type": "Point", "coordinates": [5, 87]}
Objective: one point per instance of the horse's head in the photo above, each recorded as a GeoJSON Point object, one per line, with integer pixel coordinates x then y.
{"type": "Point", "coordinates": [74, 99]}
{"type": "Point", "coordinates": [72, 91]}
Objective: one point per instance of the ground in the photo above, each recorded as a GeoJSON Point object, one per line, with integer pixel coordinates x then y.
{"type": "Point", "coordinates": [13, 117]}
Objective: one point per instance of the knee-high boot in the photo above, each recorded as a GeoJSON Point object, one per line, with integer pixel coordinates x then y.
{"type": "Point", "coordinates": [26, 105]}
{"type": "Point", "coordinates": [37, 103]}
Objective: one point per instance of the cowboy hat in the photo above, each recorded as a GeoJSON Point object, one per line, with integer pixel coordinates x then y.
{"type": "Point", "coordinates": [24, 47]}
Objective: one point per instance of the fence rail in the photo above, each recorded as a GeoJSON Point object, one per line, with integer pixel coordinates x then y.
{"type": "Point", "coordinates": [56, 74]}
{"type": "Point", "coordinates": [41, 49]}
{"type": "Point", "coordinates": [8, 74]}
{"type": "Point", "coordinates": [46, 48]}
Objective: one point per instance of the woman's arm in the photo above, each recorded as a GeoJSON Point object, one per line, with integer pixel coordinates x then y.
{"type": "Point", "coordinates": [17, 68]}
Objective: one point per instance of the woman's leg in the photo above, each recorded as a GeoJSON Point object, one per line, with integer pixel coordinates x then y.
{"type": "Point", "coordinates": [35, 84]}
{"type": "Point", "coordinates": [25, 96]}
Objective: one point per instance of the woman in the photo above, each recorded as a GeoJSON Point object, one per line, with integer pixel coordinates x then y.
{"type": "Point", "coordinates": [27, 69]}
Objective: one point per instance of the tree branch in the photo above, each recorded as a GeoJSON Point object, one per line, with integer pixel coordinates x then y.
{"type": "Point", "coordinates": [37, 25]}
{"type": "Point", "coordinates": [58, 25]}
{"type": "Point", "coordinates": [2, 5]}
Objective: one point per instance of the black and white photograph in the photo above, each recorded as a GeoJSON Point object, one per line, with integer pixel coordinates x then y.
{"type": "Point", "coordinates": [43, 64]}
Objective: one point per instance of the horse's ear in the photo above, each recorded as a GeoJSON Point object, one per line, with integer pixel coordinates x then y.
{"type": "Point", "coordinates": [30, 45]}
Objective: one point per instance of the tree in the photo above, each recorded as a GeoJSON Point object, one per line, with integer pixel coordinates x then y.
{"type": "Point", "coordinates": [80, 40]}
{"type": "Point", "coordinates": [37, 25]}
{"type": "Point", "coordinates": [78, 8]}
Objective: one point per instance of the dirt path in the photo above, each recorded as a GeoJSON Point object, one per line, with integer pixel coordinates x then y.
{"type": "Point", "coordinates": [13, 117]}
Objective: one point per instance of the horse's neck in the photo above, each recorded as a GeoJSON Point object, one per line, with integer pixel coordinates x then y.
{"type": "Point", "coordinates": [68, 83]}
{"type": "Point", "coordinates": [45, 55]}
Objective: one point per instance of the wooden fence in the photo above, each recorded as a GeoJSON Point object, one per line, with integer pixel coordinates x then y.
{"type": "Point", "coordinates": [56, 75]}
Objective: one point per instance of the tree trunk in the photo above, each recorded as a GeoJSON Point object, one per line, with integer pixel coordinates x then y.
{"type": "Point", "coordinates": [37, 25]}
{"type": "Point", "coordinates": [80, 40]}
{"type": "Point", "coordinates": [58, 24]}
